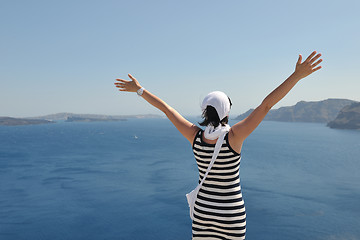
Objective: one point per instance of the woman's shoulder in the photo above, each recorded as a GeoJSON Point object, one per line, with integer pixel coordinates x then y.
{"type": "Point", "coordinates": [233, 142]}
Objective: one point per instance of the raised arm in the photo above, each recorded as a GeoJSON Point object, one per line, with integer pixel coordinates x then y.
{"type": "Point", "coordinates": [186, 128]}
{"type": "Point", "coordinates": [242, 129]}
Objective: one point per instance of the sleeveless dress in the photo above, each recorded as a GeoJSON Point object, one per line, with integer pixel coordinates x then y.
{"type": "Point", "coordinates": [219, 211]}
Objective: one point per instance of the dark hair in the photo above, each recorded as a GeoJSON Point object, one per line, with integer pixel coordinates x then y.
{"type": "Point", "coordinates": [211, 117]}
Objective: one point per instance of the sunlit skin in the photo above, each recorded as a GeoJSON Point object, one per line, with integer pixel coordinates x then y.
{"type": "Point", "coordinates": [241, 130]}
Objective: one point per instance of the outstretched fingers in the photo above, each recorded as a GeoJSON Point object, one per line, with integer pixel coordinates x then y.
{"type": "Point", "coordinates": [316, 63]}
{"type": "Point", "coordinates": [122, 88]}
{"type": "Point", "coordinates": [122, 80]}
{"type": "Point", "coordinates": [310, 56]}
{"type": "Point", "coordinates": [315, 69]}
{"type": "Point", "coordinates": [121, 84]}
{"type": "Point", "coordinates": [315, 58]}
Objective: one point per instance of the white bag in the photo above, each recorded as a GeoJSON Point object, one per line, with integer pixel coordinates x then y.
{"type": "Point", "coordinates": [191, 196]}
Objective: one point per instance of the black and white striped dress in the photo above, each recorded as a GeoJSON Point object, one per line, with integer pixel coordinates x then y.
{"type": "Point", "coordinates": [219, 211]}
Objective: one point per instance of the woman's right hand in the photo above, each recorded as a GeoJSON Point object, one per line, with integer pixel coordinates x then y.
{"type": "Point", "coordinates": [128, 86]}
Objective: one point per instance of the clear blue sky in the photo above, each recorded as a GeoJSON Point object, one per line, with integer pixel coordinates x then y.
{"type": "Point", "coordinates": [64, 56]}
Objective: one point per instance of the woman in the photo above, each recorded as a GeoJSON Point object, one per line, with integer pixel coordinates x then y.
{"type": "Point", "coordinates": [219, 211]}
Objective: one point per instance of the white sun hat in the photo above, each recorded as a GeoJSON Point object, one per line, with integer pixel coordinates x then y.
{"type": "Point", "coordinates": [219, 101]}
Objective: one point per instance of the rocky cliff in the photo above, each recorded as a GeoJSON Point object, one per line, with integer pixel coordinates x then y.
{"type": "Point", "coordinates": [348, 118]}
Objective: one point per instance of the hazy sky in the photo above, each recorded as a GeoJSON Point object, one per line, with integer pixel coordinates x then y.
{"type": "Point", "coordinates": [64, 56]}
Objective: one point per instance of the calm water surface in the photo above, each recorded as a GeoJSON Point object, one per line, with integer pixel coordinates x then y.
{"type": "Point", "coordinates": [128, 180]}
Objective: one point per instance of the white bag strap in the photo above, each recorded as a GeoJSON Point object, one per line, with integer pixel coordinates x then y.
{"type": "Point", "coordinates": [218, 145]}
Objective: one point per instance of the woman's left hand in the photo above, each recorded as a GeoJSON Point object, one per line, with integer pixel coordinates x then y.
{"type": "Point", "coordinates": [308, 66]}
{"type": "Point", "coordinates": [128, 86]}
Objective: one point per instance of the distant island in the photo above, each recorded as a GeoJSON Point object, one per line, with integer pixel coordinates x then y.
{"type": "Point", "coordinates": [9, 121]}
{"type": "Point", "coordinates": [348, 118]}
{"type": "Point", "coordinates": [315, 111]}
{"type": "Point", "coordinates": [90, 119]}
{"type": "Point", "coordinates": [93, 117]}
{"type": "Point", "coordinates": [70, 117]}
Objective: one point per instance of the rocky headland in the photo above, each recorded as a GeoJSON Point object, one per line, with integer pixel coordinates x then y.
{"type": "Point", "coordinates": [348, 118]}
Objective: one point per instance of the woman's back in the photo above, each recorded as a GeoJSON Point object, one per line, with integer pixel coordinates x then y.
{"type": "Point", "coordinates": [219, 210]}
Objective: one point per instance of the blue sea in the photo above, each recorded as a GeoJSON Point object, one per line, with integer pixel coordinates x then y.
{"type": "Point", "coordinates": [128, 180]}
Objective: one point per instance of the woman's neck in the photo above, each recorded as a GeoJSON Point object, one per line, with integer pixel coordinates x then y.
{"type": "Point", "coordinates": [208, 141]}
